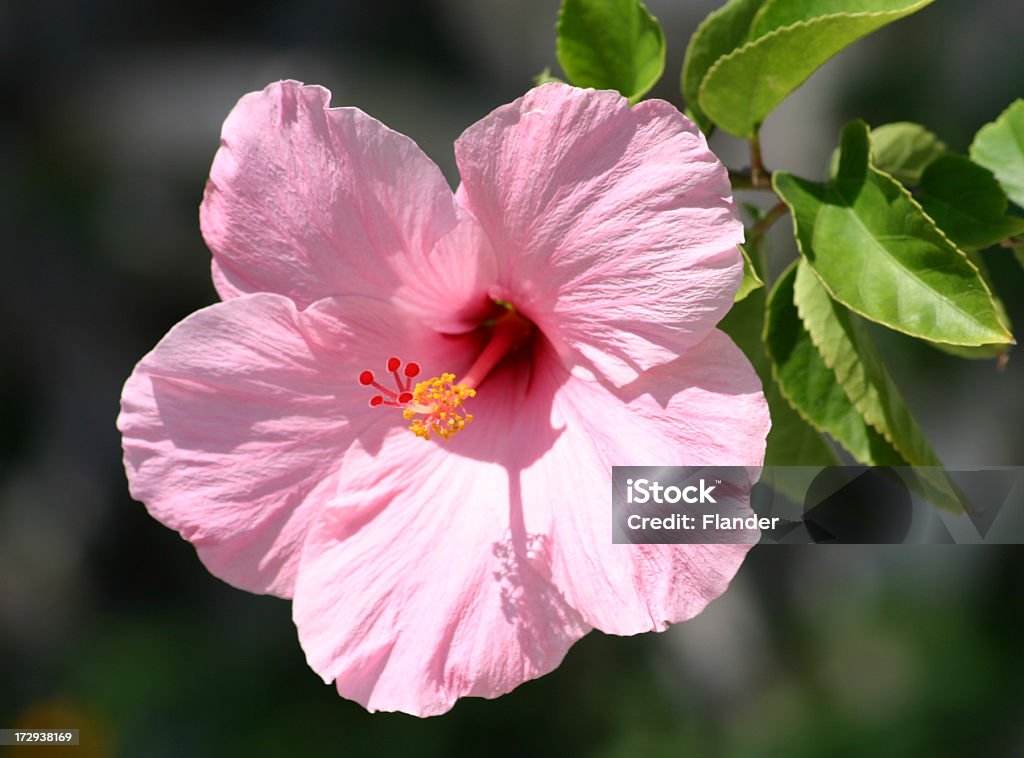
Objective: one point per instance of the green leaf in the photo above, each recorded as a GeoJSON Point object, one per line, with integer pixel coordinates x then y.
{"type": "Point", "coordinates": [811, 387]}
{"type": "Point", "coordinates": [791, 441]}
{"type": "Point", "coordinates": [787, 41]}
{"type": "Point", "coordinates": [610, 44]}
{"type": "Point", "coordinates": [545, 77]}
{"type": "Point", "coordinates": [982, 352]}
{"type": "Point", "coordinates": [814, 390]}
{"type": "Point", "coordinates": [879, 254]}
{"type": "Point", "coordinates": [846, 347]}
{"type": "Point", "coordinates": [1018, 252]}
{"type": "Point", "coordinates": [751, 281]}
{"type": "Point", "coordinates": [999, 147]}
{"type": "Point", "coordinates": [903, 150]}
{"type": "Point", "coordinates": [719, 34]}
{"type": "Point", "coordinates": [967, 203]}
{"type": "Point", "coordinates": [900, 149]}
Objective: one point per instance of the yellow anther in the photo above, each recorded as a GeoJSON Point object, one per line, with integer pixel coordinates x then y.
{"type": "Point", "coordinates": [437, 402]}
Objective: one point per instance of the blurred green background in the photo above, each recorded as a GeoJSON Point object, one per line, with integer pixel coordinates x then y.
{"type": "Point", "coordinates": [111, 115]}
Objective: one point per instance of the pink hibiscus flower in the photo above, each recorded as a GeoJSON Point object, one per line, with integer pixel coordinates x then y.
{"type": "Point", "coordinates": [572, 285]}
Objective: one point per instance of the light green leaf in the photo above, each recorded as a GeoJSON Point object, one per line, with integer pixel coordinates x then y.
{"type": "Point", "coordinates": [788, 40]}
{"type": "Point", "coordinates": [545, 77]}
{"type": "Point", "coordinates": [811, 387]}
{"type": "Point", "coordinates": [751, 281]}
{"type": "Point", "coordinates": [879, 254]}
{"type": "Point", "coordinates": [900, 149]}
{"type": "Point", "coordinates": [967, 203]}
{"type": "Point", "coordinates": [791, 441]}
{"type": "Point", "coordinates": [847, 349]}
{"type": "Point", "coordinates": [610, 44]}
{"type": "Point", "coordinates": [982, 352]}
{"type": "Point", "coordinates": [999, 147]}
{"type": "Point", "coordinates": [903, 150]}
{"type": "Point", "coordinates": [719, 34]}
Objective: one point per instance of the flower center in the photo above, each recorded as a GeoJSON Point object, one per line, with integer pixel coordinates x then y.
{"type": "Point", "coordinates": [435, 406]}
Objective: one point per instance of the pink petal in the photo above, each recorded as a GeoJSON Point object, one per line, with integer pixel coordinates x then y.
{"type": "Point", "coordinates": [235, 425]}
{"type": "Point", "coordinates": [450, 292]}
{"type": "Point", "coordinates": [705, 408]}
{"type": "Point", "coordinates": [613, 227]}
{"type": "Point", "coordinates": [419, 584]}
{"type": "Point", "coordinates": [310, 202]}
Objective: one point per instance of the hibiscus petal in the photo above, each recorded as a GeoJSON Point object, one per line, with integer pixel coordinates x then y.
{"type": "Point", "coordinates": [235, 425]}
{"type": "Point", "coordinates": [450, 292]}
{"type": "Point", "coordinates": [311, 202]}
{"type": "Point", "coordinates": [613, 227]}
{"type": "Point", "coordinates": [703, 409]}
{"type": "Point", "coordinates": [419, 585]}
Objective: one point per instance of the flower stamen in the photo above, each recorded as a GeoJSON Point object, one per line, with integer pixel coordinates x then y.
{"type": "Point", "coordinates": [438, 402]}
{"type": "Point", "coordinates": [433, 406]}
{"type": "Point", "coordinates": [401, 395]}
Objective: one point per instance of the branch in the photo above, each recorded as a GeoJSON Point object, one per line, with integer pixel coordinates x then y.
{"type": "Point", "coordinates": [744, 180]}
{"type": "Point", "coordinates": [758, 175]}
{"type": "Point", "coordinates": [767, 221]}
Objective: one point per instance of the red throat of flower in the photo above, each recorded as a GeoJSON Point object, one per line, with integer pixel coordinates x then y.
{"type": "Point", "coordinates": [435, 405]}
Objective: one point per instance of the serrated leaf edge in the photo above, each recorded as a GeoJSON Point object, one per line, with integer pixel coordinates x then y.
{"type": "Point", "coordinates": [782, 390]}
{"type": "Point", "coordinates": [699, 114]}
{"type": "Point", "coordinates": [942, 234]}
{"type": "Point", "coordinates": [858, 402]}
{"type": "Point", "coordinates": [783, 29]}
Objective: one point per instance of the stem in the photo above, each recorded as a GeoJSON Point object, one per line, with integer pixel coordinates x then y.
{"type": "Point", "coordinates": [744, 180]}
{"type": "Point", "coordinates": [758, 176]}
{"type": "Point", "coordinates": [761, 228]}
{"type": "Point", "coordinates": [740, 180]}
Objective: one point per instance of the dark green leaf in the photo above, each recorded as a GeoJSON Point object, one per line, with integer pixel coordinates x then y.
{"type": "Point", "coordinates": [846, 348]}
{"type": "Point", "coordinates": [791, 442]}
{"type": "Point", "coordinates": [610, 44]}
{"type": "Point", "coordinates": [811, 387]}
{"type": "Point", "coordinates": [967, 203]}
{"type": "Point", "coordinates": [879, 254]}
{"type": "Point", "coordinates": [1018, 252]}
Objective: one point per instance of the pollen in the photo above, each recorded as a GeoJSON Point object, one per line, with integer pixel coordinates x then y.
{"type": "Point", "coordinates": [437, 408]}
{"type": "Point", "coordinates": [434, 406]}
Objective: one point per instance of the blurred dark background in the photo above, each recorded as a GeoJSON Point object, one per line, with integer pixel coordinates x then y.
{"type": "Point", "coordinates": [110, 117]}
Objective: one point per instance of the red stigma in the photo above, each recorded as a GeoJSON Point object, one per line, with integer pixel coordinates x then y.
{"type": "Point", "coordinates": [401, 395]}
